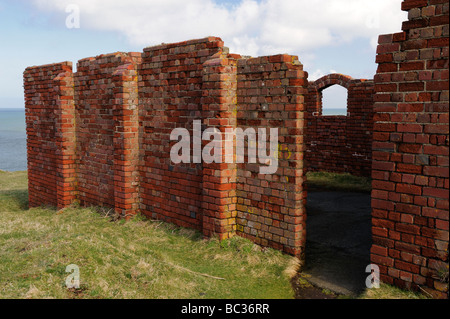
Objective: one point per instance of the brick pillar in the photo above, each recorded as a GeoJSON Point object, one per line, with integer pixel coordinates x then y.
{"type": "Point", "coordinates": [219, 179]}
{"type": "Point", "coordinates": [65, 139]}
{"type": "Point", "coordinates": [126, 139]}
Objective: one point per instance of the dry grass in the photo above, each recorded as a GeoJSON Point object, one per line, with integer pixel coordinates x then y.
{"type": "Point", "coordinates": [134, 259]}
{"type": "Point", "coordinates": [338, 182]}
{"type": "Point", "coordinates": [390, 292]}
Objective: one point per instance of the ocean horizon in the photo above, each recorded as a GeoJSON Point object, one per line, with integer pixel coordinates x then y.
{"type": "Point", "coordinates": [334, 111]}
{"type": "Point", "coordinates": [13, 137]}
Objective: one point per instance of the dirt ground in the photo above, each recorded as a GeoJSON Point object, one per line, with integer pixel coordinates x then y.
{"type": "Point", "coordinates": [305, 290]}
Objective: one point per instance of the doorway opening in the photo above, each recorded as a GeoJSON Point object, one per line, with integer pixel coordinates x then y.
{"type": "Point", "coordinates": [338, 237]}
{"type": "Point", "coordinates": [338, 207]}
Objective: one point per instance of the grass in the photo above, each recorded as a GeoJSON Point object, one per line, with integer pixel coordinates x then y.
{"type": "Point", "coordinates": [136, 259]}
{"type": "Point", "coordinates": [390, 292]}
{"type": "Point", "coordinates": [117, 259]}
{"type": "Point", "coordinates": [338, 182]}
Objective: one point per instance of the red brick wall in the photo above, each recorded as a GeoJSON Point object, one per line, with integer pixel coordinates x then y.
{"type": "Point", "coordinates": [96, 101]}
{"type": "Point", "coordinates": [270, 207]}
{"type": "Point", "coordinates": [83, 132]}
{"type": "Point", "coordinates": [340, 143]}
{"type": "Point", "coordinates": [126, 136]}
{"type": "Point", "coordinates": [104, 135]}
{"type": "Point", "coordinates": [410, 206]}
{"type": "Point", "coordinates": [49, 119]}
{"type": "Point", "coordinates": [170, 93]}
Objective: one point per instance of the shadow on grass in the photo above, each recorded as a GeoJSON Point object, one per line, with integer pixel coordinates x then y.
{"type": "Point", "coordinates": [17, 199]}
{"type": "Point", "coordinates": [343, 182]}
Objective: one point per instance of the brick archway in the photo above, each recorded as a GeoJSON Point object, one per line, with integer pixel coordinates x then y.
{"type": "Point", "coordinates": [330, 80]}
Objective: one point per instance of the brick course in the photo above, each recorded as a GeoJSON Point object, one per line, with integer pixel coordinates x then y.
{"type": "Point", "coordinates": [106, 112]}
{"type": "Point", "coordinates": [170, 96]}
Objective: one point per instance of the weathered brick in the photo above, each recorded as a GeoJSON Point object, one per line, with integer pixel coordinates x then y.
{"type": "Point", "coordinates": [88, 141]}
{"type": "Point", "coordinates": [340, 143]}
{"type": "Point", "coordinates": [421, 182]}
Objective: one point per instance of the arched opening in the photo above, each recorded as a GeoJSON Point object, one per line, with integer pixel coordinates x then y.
{"type": "Point", "coordinates": [334, 100]}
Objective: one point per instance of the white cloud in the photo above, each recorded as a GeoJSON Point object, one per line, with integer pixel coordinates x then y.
{"type": "Point", "coordinates": [249, 28]}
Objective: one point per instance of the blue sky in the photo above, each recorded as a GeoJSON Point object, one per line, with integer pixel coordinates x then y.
{"type": "Point", "coordinates": [328, 35]}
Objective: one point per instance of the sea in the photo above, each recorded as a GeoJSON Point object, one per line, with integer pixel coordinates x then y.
{"type": "Point", "coordinates": [334, 111]}
{"type": "Point", "coordinates": [13, 137]}
{"type": "Point", "coordinates": [13, 140]}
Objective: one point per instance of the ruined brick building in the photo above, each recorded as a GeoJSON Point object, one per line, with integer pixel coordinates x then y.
{"type": "Point", "coordinates": [101, 136]}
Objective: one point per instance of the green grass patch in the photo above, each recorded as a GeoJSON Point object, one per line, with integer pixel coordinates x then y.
{"type": "Point", "coordinates": [134, 259]}
{"type": "Point", "coordinates": [337, 182]}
